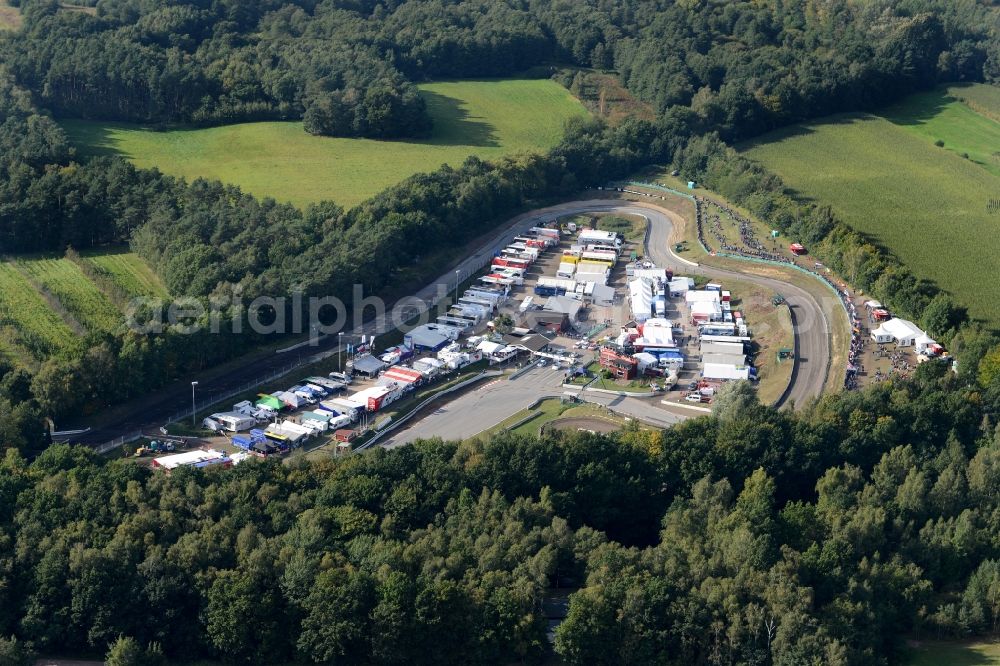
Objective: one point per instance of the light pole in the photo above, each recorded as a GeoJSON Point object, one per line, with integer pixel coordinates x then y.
{"type": "Point", "coordinates": [193, 384]}
{"type": "Point", "coordinates": [340, 350]}
{"type": "Point", "coordinates": [457, 271]}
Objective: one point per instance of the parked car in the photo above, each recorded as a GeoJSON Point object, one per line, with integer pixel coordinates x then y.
{"type": "Point", "coordinates": [693, 397]}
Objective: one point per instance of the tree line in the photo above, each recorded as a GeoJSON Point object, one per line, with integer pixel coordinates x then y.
{"type": "Point", "coordinates": [347, 68]}
{"type": "Point", "coordinates": [751, 536]}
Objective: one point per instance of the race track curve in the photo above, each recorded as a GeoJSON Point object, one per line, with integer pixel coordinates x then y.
{"type": "Point", "coordinates": [810, 325]}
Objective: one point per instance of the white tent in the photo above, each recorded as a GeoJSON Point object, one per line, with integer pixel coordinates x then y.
{"type": "Point", "coordinates": [709, 309]}
{"type": "Point", "coordinates": [641, 295]}
{"type": "Point", "coordinates": [725, 371]}
{"type": "Point", "coordinates": [488, 347]}
{"type": "Point", "coordinates": [645, 360]}
{"type": "Point", "coordinates": [656, 333]}
{"type": "Point", "coordinates": [650, 273]}
{"type": "Point", "coordinates": [923, 342]}
{"type": "Point", "coordinates": [702, 296]}
{"type": "Point", "coordinates": [904, 333]}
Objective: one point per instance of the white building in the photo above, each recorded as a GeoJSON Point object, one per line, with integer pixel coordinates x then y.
{"type": "Point", "coordinates": [702, 296]}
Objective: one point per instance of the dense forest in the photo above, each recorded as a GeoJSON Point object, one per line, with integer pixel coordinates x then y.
{"type": "Point", "coordinates": [752, 536]}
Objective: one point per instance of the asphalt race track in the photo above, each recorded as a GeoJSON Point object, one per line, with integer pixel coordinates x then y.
{"type": "Point", "coordinates": [810, 326]}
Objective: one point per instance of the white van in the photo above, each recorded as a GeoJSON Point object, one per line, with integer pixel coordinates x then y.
{"type": "Point", "coordinates": [341, 377]}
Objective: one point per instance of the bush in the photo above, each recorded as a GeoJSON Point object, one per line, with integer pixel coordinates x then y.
{"type": "Point", "coordinates": [14, 653]}
{"type": "Point", "coordinates": [939, 143]}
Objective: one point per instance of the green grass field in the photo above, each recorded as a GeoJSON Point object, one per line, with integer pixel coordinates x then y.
{"type": "Point", "coordinates": [981, 98]}
{"type": "Point", "coordinates": [933, 653]}
{"type": "Point", "coordinates": [129, 272]}
{"type": "Point", "coordinates": [939, 116]}
{"type": "Point", "coordinates": [926, 204]}
{"type": "Point", "coordinates": [279, 160]}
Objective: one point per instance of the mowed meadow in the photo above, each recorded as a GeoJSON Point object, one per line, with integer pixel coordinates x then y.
{"type": "Point", "coordinates": [49, 305]}
{"type": "Point", "coordinates": [885, 176]}
{"type": "Point", "coordinates": [488, 119]}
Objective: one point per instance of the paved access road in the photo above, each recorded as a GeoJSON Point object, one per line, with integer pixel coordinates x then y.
{"type": "Point", "coordinates": [482, 407]}
{"type": "Point", "coordinates": [492, 402]}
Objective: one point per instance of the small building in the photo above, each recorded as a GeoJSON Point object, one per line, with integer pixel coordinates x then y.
{"type": "Point", "coordinates": [603, 295]}
{"type": "Point", "coordinates": [620, 364]}
{"type": "Point", "coordinates": [558, 313]}
{"type": "Point", "coordinates": [679, 286]}
{"type": "Point", "coordinates": [497, 352]}
{"type": "Point", "coordinates": [430, 337]}
{"type": "Point", "coordinates": [798, 249]}
{"type": "Point", "coordinates": [531, 342]}
{"type": "Point", "coordinates": [200, 458]}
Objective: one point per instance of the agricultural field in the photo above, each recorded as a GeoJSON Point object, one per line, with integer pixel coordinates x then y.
{"type": "Point", "coordinates": [80, 297]}
{"type": "Point", "coordinates": [48, 303]}
{"type": "Point", "coordinates": [31, 329]}
{"type": "Point", "coordinates": [935, 653]}
{"type": "Point", "coordinates": [278, 159]}
{"type": "Point", "coordinates": [927, 205]}
{"type": "Point", "coordinates": [132, 275]}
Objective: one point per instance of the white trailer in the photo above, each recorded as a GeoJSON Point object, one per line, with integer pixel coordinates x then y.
{"type": "Point", "coordinates": [245, 407]}
{"type": "Point", "coordinates": [291, 426]}
{"type": "Point", "coordinates": [566, 270]}
{"type": "Point", "coordinates": [233, 421]}
{"type": "Point", "coordinates": [316, 425]}
{"type": "Point", "coordinates": [493, 296]}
